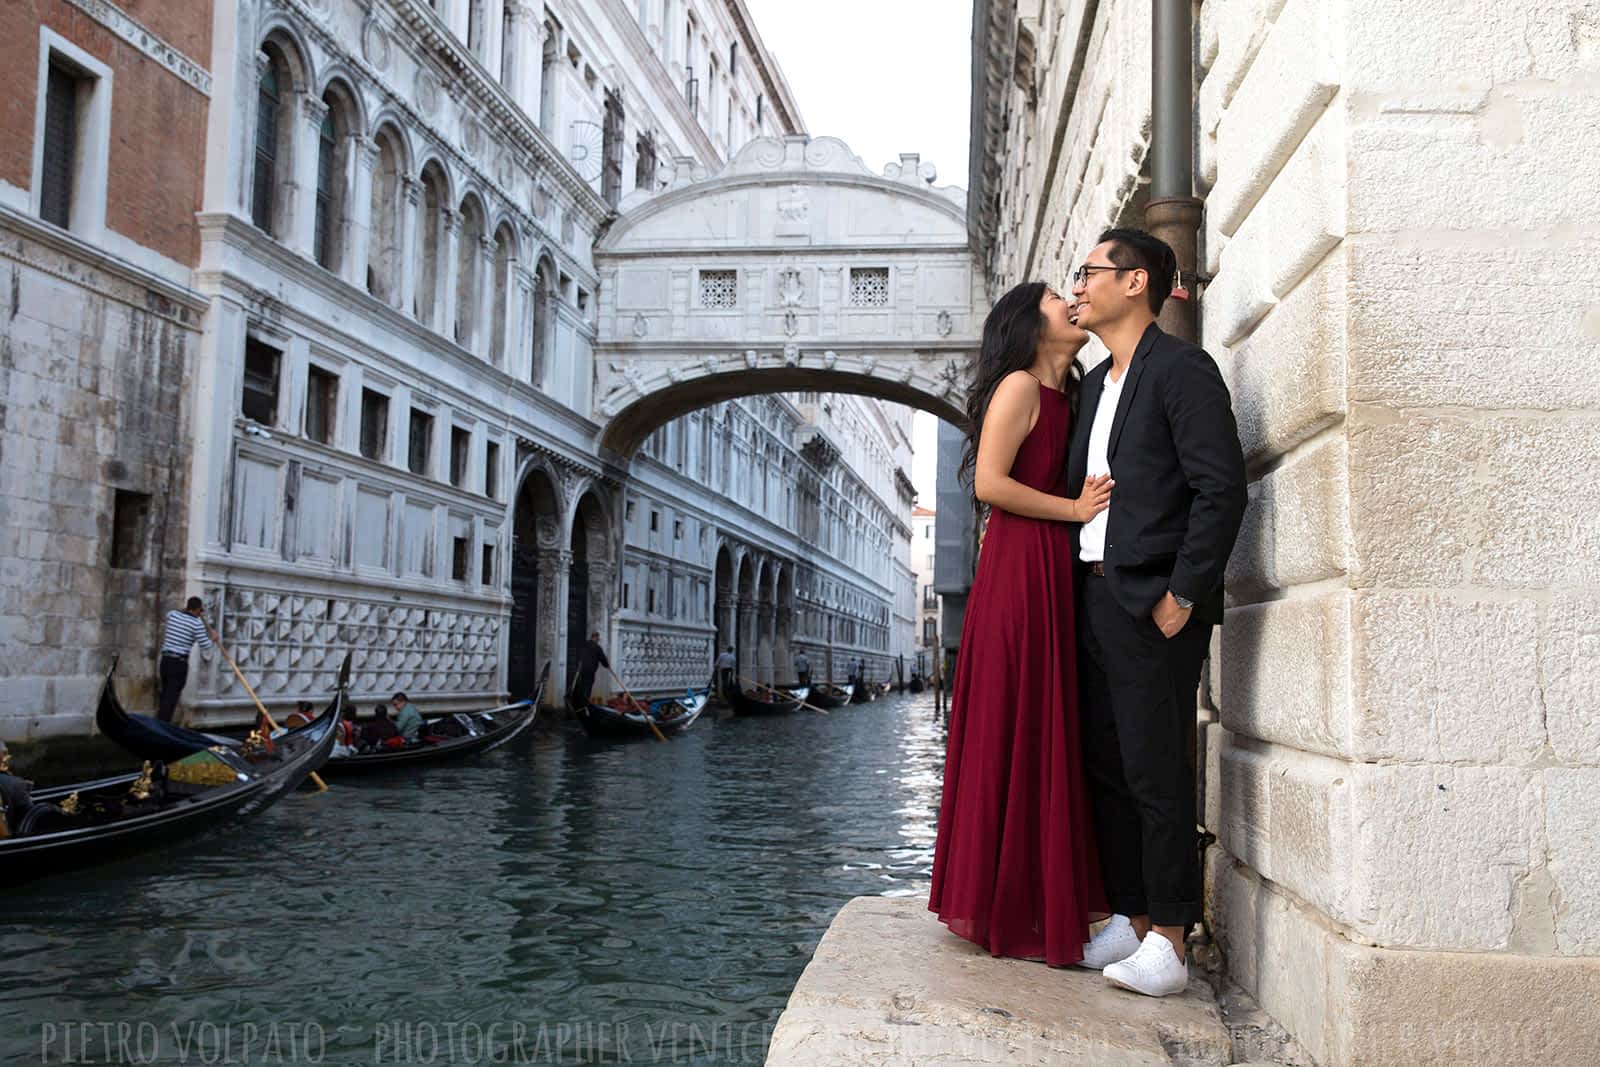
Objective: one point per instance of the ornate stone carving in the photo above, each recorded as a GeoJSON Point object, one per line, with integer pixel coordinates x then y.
{"type": "Point", "coordinates": [291, 645]}
{"type": "Point", "coordinates": [569, 227]}
{"type": "Point", "coordinates": [375, 43]}
{"type": "Point", "coordinates": [794, 212]}
{"type": "Point", "coordinates": [791, 323]}
{"type": "Point", "coordinates": [750, 358]}
{"type": "Point", "coordinates": [950, 378]}
{"type": "Point", "coordinates": [641, 325]}
{"type": "Point", "coordinates": [791, 354]}
{"type": "Point", "coordinates": [471, 135]}
{"type": "Point", "coordinates": [427, 93]}
{"type": "Point", "coordinates": [944, 323]}
{"type": "Point", "coordinates": [791, 287]}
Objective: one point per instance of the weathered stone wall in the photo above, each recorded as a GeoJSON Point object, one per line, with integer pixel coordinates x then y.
{"type": "Point", "coordinates": [1403, 306]}
{"type": "Point", "coordinates": [94, 362]}
{"type": "Point", "coordinates": [1405, 754]}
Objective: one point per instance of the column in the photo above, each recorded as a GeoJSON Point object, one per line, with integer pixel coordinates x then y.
{"type": "Point", "coordinates": [766, 619]}
{"type": "Point", "coordinates": [602, 582]}
{"type": "Point", "coordinates": [519, 323]}
{"type": "Point", "coordinates": [363, 155]}
{"type": "Point", "coordinates": [444, 305]}
{"type": "Point", "coordinates": [300, 196]}
{"type": "Point", "coordinates": [554, 566]}
{"type": "Point", "coordinates": [481, 337]}
{"type": "Point", "coordinates": [527, 57]}
{"type": "Point", "coordinates": [746, 643]}
{"type": "Point", "coordinates": [410, 205]}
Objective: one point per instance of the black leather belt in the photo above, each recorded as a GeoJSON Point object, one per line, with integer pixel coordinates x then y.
{"type": "Point", "coordinates": [174, 655]}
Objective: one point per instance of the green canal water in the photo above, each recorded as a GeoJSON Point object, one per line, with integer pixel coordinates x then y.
{"type": "Point", "coordinates": [572, 902]}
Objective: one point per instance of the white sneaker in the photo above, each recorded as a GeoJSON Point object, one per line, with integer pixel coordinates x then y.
{"type": "Point", "coordinates": [1115, 942]}
{"type": "Point", "coordinates": [1155, 970]}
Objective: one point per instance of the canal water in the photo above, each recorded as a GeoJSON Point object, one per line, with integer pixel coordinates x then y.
{"type": "Point", "coordinates": [573, 902]}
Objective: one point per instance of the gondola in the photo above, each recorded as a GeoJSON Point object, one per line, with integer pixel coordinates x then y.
{"type": "Point", "coordinates": [864, 693]}
{"type": "Point", "coordinates": [479, 731]}
{"type": "Point", "coordinates": [671, 715]}
{"type": "Point", "coordinates": [827, 695]}
{"type": "Point", "coordinates": [89, 823]}
{"type": "Point", "coordinates": [915, 685]}
{"type": "Point", "coordinates": [745, 704]}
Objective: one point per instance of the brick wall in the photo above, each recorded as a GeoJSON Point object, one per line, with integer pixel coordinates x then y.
{"type": "Point", "coordinates": [157, 120]}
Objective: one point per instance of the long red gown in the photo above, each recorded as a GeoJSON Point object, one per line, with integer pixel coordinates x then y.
{"type": "Point", "coordinates": [1015, 868]}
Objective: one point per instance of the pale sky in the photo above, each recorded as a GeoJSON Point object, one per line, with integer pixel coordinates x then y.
{"type": "Point", "coordinates": [885, 77]}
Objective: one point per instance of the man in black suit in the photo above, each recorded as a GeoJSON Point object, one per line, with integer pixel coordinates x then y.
{"type": "Point", "coordinates": [1158, 418]}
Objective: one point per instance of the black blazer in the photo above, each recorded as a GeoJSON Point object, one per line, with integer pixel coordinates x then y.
{"type": "Point", "coordinates": [1179, 471]}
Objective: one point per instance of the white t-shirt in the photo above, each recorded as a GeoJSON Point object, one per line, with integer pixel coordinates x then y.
{"type": "Point", "coordinates": [1092, 540]}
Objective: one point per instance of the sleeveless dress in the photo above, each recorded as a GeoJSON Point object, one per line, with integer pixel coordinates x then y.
{"type": "Point", "coordinates": [1015, 868]}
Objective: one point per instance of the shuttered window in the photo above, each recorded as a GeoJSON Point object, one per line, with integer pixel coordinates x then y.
{"type": "Point", "coordinates": [60, 146]}
{"type": "Point", "coordinates": [326, 158]}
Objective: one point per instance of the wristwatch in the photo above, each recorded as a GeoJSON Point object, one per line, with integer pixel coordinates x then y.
{"type": "Point", "coordinates": [1183, 602]}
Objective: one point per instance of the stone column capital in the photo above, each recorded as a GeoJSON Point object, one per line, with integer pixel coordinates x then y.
{"type": "Point", "coordinates": [313, 109]}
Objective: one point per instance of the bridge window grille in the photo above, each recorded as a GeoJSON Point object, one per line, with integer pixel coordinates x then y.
{"type": "Point", "coordinates": [869, 287]}
{"type": "Point", "coordinates": [719, 289]}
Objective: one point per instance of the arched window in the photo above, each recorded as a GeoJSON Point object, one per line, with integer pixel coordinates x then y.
{"type": "Point", "coordinates": [430, 232]}
{"type": "Point", "coordinates": [325, 236]}
{"type": "Point", "coordinates": [504, 252]}
{"type": "Point", "coordinates": [383, 260]}
{"type": "Point", "coordinates": [268, 106]}
{"type": "Point", "coordinates": [272, 167]}
{"type": "Point", "coordinates": [468, 240]}
{"type": "Point", "coordinates": [543, 306]}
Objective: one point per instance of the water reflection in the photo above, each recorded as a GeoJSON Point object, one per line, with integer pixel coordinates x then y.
{"type": "Point", "coordinates": [617, 900]}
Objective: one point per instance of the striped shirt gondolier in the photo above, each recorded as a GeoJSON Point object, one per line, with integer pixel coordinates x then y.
{"type": "Point", "coordinates": [183, 630]}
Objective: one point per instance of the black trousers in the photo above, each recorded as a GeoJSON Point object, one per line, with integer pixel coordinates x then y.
{"type": "Point", "coordinates": [1137, 716]}
{"type": "Point", "coordinates": [174, 676]}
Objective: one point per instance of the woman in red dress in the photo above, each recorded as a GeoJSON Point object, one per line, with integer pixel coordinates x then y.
{"type": "Point", "coordinates": [1015, 868]}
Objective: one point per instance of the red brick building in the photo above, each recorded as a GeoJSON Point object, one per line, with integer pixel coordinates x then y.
{"type": "Point", "coordinates": [103, 117]}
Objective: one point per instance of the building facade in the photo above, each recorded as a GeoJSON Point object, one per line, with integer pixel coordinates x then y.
{"type": "Point", "coordinates": [1400, 752]}
{"type": "Point", "coordinates": [351, 400]}
{"type": "Point", "coordinates": [924, 556]}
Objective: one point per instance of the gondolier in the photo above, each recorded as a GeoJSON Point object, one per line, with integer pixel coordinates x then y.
{"type": "Point", "coordinates": [591, 657]}
{"type": "Point", "coordinates": [184, 628]}
{"type": "Point", "coordinates": [727, 663]}
{"type": "Point", "coordinates": [802, 668]}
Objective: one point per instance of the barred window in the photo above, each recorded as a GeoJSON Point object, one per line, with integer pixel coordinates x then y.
{"type": "Point", "coordinates": [266, 165]}
{"type": "Point", "coordinates": [719, 289]}
{"type": "Point", "coordinates": [60, 145]}
{"type": "Point", "coordinates": [869, 287]}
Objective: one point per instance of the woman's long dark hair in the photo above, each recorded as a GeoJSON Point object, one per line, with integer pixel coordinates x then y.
{"type": "Point", "coordinates": [1010, 343]}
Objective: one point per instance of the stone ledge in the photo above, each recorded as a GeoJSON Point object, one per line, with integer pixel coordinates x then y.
{"type": "Point", "coordinates": [889, 984]}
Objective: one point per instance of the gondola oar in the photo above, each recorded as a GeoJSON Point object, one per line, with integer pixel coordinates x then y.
{"type": "Point", "coordinates": [643, 709]}
{"type": "Point", "coordinates": [316, 779]}
{"type": "Point", "coordinates": [797, 700]}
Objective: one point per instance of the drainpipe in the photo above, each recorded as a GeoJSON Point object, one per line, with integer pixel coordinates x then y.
{"type": "Point", "coordinates": [1173, 213]}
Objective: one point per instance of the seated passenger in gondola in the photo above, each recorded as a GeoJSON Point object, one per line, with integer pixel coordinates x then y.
{"type": "Point", "coordinates": [15, 795]}
{"type": "Point", "coordinates": [347, 738]}
{"type": "Point", "coordinates": [302, 715]}
{"type": "Point", "coordinates": [379, 731]}
{"type": "Point", "coordinates": [407, 719]}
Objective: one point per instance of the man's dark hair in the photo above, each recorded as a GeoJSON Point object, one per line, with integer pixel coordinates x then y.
{"type": "Point", "coordinates": [1134, 249]}
{"type": "Point", "coordinates": [194, 604]}
{"type": "Point", "coordinates": [401, 696]}
{"type": "Point", "coordinates": [381, 711]}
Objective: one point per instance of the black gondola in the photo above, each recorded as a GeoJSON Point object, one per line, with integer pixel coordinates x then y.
{"type": "Point", "coordinates": [864, 693]}
{"type": "Point", "coordinates": [915, 685]}
{"type": "Point", "coordinates": [826, 695]}
{"type": "Point", "coordinates": [480, 731]}
{"type": "Point", "coordinates": [89, 823]}
{"type": "Point", "coordinates": [745, 704]}
{"type": "Point", "coordinates": [672, 715]}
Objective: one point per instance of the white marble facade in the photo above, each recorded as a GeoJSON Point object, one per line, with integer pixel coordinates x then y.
{"type": "Point", "coordinates": [397, 439]}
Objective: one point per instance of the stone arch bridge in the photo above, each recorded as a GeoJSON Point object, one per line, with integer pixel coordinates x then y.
{"type": "Point", "coordinates": [792, 269]}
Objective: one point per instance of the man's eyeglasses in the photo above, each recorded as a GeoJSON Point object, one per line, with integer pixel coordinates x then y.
{"type": "Point", "coordinates": [1081, 275]}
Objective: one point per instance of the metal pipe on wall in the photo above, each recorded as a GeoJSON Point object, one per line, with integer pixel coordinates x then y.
{"type": "Point", "coordinates": [1173, 213]}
